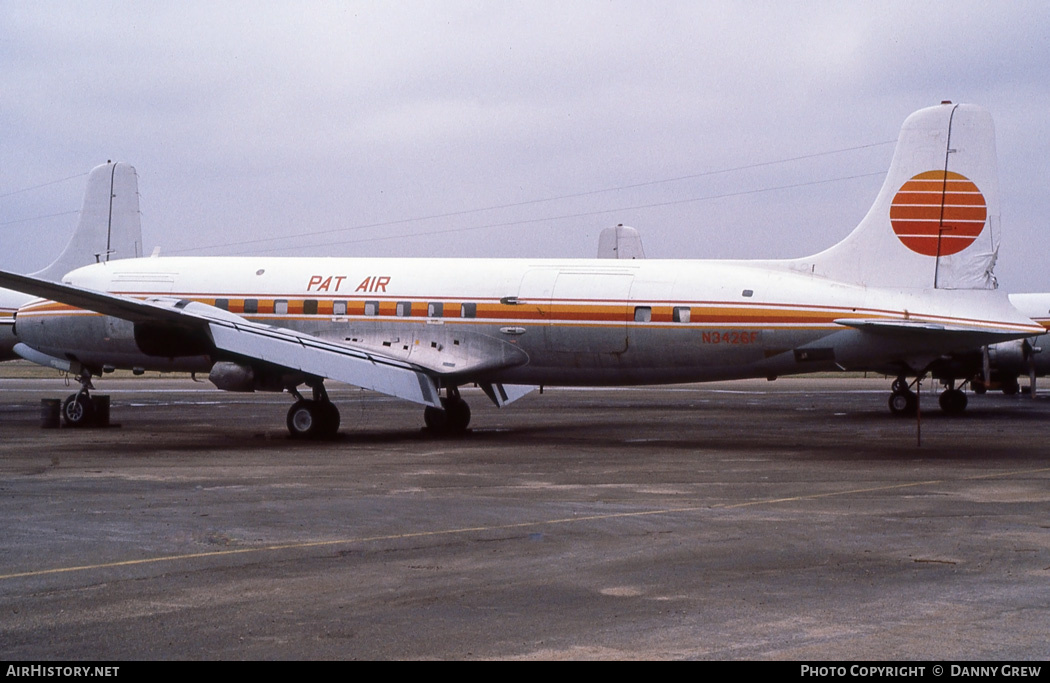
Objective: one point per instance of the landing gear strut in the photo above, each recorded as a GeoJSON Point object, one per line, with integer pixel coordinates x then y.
{"type": "Point", "coordinates": [315, 418]}
{"type": "Point", "coordinates": [77, 409]}
{"type": "Point", "coordinates": [903, 401]}
{"type": "Point", "coordinates": [453, 416]}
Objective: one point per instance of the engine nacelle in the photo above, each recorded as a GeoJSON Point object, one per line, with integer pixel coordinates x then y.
{"type": "Point", "coordinates": [1009, 358]}
{"type": "Point", "coordinates": [102, 340]}
{"type": "Point", "coordinates": [171, 340]}
{"type": "Point", "coordinates": [230, 376]}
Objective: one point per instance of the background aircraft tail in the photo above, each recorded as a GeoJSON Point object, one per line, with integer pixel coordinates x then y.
{"type": "Point", "coordinates": [109, 226]}
{"type": "Point", "coordinates": [935, 223]}
{"type": "Point", "coordinates": [620, 242]}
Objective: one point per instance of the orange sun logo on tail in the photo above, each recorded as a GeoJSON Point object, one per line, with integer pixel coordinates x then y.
{"type": "Point", "coordinates": [938, 213]}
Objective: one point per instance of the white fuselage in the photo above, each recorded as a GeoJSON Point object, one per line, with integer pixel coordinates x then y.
{"type": "Point", "coordinates": [576, 321]}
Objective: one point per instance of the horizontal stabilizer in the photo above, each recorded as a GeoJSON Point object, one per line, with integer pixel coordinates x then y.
{"type": "Point", "coordinates": [909, 325]}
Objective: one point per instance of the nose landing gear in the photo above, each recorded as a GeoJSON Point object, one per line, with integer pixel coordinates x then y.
{"type": "Point", "coordinates": [78, 410]}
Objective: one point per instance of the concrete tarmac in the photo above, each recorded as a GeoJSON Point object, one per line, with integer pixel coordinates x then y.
{"type": "Point", "coordinates": [749, 520]}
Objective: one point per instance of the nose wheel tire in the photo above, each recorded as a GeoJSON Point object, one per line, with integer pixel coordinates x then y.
{"type": "Point", "coordinates": [78, 411]}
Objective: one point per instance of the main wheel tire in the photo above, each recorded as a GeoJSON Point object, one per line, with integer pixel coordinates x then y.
{"type": "Point", "coordinates": [78, 410]}
{"type": "Point", "coordinates": [452, 418]}
{"type": "Point", "coordinates": [457, 415]}
{"type": "Point", "coordinates": [953, 401]}
{"type": "Point", "coordinates": [302, 419]}
{"type": "Point", "coordinates": [329, 418]}
{"type": "Point", "coordinates": [1011, 387]}
{"type": "Point", "coordinates": [900, 385]}
{"type": "Point", "coordinates": [436, 419]}
{"type": "Point", "coordinates": [978, 386]}
{"type": "Point", "coordinates": [903, 403]}
{"type": "Point", "coordinates": [308, 419]}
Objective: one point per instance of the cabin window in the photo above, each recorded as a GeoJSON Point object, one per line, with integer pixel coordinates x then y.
{"type": "Point", "coordinates": [339, 308]}
{"type": "Point", "coordinates": [371, 308]}
{"type": "Point", "coordinates": [251, 305]}
{"type": "Point", "coordinates": [310, 307]}
{"type": "Point", "coordinates": [280, 307]}
{"type": "Point", "coordinates": [224, 304]}
{"type": "Point", "coordinates": [435, 309]}
{"type": "Point", "coordinates": [404, 308]}
{"type": "Point", "coordinates": [468, 311]}
{"type": "Point", "coordinates": [643, 314]}
{"type": "Point", "coordinates": [681, 314]}
{"type": "Point", "coordinates": [747, 292]}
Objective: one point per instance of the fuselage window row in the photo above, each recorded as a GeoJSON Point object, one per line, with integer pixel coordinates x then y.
{"type": "Point", "coordinates": [407, 309]}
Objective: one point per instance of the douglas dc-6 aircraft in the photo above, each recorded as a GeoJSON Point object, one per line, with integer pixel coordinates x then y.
{"type": "Point", "coordinates": [911, 283]}
{"type": "Point", "coordinates": [109, 228]}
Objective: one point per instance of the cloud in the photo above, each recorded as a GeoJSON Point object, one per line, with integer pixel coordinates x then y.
{"type": "Point", "coordinates": [249, 120]}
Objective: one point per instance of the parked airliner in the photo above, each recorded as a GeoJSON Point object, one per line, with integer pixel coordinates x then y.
{"type": "Point", "coordinates": [911, 283]}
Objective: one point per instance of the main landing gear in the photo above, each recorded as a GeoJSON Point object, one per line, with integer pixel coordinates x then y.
{"type": "Point", "coordinates": [451, 418]}
{"type": "Point", "coordinates": [315, 418]}
{"type": "Point", "coordinates": [903, 401]}
{"type": "Point", "coordinates": [953, 401]}
{"type": "Point", "coordinates": [318, 418]}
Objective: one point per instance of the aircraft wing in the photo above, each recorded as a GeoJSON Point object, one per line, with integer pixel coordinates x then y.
{"type": "Point", "coordinates": [316, 356]}
{"type": "Point", "coordinates": [237, 336]}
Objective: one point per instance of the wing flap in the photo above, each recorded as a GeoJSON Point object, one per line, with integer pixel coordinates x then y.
{"type": "Point", "coordinates": [503, 394]}
{"type": "Point", "coordinates": [315, 356]}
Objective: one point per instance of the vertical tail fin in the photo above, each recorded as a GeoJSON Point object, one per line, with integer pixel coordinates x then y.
{"type": "Point", "coordinates": [621, 242]}
{"type": "Point", "coordinates": [935, 223]}
{"type": "Point", "coordinates": [109, 226]}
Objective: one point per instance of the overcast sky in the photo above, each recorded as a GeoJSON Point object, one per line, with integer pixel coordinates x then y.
{"type": "Point", "coordinates": [383, 128]}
